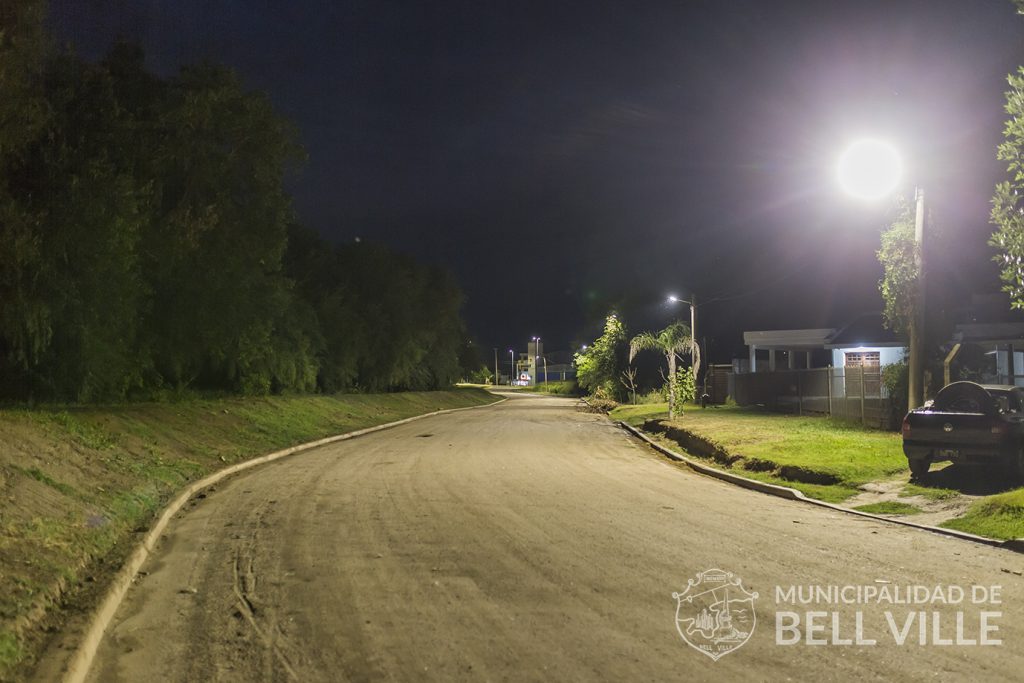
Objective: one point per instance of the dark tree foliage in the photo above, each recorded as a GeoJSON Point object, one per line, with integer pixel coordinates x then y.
{"type": "Point", "coordinates": [25, 320]}
{"type": "Point", "coordinates": [386, 322]}
{"type": "Point", "coordinates": [145, 243]}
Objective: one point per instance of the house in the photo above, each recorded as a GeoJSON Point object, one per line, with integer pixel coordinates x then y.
{"type": "Point", "coordinates": [864, 342]}
{"type": "Point", "coordinates": [831, 371]}
{"type": "Point", "coordinates": [1002, 343]}
{"type": "Point", "coordinates": [993, 330]}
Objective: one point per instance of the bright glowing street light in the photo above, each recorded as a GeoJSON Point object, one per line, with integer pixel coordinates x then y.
{"type": "Point", "coordinates": [870, 169]}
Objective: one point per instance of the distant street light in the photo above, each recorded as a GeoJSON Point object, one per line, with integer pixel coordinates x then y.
{"type": "Point", "coordinates": [871, 169]}
{"type": "Point", "coordinates": [539, 356]}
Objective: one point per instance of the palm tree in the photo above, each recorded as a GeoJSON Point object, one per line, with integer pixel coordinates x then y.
{"type": "Point", "coordinates": [674, 342]}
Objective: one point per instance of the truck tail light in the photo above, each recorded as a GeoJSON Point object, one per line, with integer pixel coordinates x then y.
{"type": "Point", "coordinates": [906, 425]}
{"type": "Point", "coordinates": [999, 428]}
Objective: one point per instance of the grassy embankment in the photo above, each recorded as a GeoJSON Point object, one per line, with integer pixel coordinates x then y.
{"type": "Point", "coordinates": [80, 484]}
{"type": "Point", "coordinates": [826, 459]}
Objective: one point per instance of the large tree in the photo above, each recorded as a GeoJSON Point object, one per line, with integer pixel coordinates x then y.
{"type": "Point", "coordinates": [25, 319]}
{"type": "Point", "coordinates": [598, 366]}
{"type": "Point", "coordinates": [1007, 210]}
{"type": "Point", "coordinates": [218, 234]}
{"type": "Point", "coordinates": [900, 271]}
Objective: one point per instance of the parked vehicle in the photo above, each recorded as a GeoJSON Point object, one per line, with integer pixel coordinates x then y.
{"type": "Point", "coordinates": [967, 423]}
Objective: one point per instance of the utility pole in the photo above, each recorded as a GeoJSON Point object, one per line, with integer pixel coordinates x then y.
{"type": "Point", "coordinates": [497, 374]}
{"type": "Point", "coordinates": [915, 388]}
{"type": "Point", "coordinates": [694, 357]}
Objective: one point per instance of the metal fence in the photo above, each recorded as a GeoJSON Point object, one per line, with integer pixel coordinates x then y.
{"type": "Point", "coordinates": [854, 393]}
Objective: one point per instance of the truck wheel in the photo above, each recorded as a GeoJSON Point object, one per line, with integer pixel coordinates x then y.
{"type": "Point", "coordinates": [918, 467]}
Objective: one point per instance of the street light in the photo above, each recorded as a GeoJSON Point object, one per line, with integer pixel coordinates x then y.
{"type": "Point", "coordinates": [694, 360]}
{"type": "Point", "coordinates": [871, 169]}
{"type": "Point", "coordinates": [511, 365]}
{"type": "Point", "coordinates": [536, 357]}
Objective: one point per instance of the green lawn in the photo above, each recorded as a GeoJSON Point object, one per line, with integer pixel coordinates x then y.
{"type": "Point", "coordinates": [998, 516]}
{"type": "Point", "coordinates": [789, 450]}
{"type": "Point", "coordinates": [850, 453]}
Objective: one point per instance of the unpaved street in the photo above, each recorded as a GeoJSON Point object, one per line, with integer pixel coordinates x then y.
{"type": "Point", "coordinates": [525, 541]}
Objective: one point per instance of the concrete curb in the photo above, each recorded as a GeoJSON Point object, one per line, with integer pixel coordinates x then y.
{"type": "Point", "coordinates": [80, 663]}
{"type": "Point", "coordinates": [1016, 545]}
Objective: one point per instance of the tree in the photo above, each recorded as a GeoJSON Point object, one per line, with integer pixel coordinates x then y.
{"type": "Point", "coordinates": [213, 250]}
{"type": "Point", "coordinates": [23, 50]}
{"type": "Point", "coordinates": [901, 271]}
{"type": "Point", "coordinates": [25, 319]}
{"type": "Point", "coordinates": [597, 367]}
{"type": "Point", "coordinates": [147, 240]}
{"type": "Point", "coordinates": [1007, 210]}
{"type": "Point", "coordinates": [628, 380]}
{"type": "Point", "coordinates": [674, 342]}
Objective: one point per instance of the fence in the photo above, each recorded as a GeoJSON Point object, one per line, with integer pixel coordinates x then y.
{"type": "Point", "coordinates": [854, 393]}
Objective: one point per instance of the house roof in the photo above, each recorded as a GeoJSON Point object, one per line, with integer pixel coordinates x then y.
{"type": "Point", "coordinates": [795, 340]}
{"type": "Point", "coordinates": [865, 330]}
{"type": "Point", "coordinates": [990, 333]}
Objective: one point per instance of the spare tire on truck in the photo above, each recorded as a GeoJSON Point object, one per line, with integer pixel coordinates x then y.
{"type": "Point", "coordinates": [964, 397]}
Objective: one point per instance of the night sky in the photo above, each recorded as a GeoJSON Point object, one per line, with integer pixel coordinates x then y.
{"type": "Point", "coordinates": [565, 157]}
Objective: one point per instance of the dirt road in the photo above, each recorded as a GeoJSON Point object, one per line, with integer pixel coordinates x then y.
{"type": "Point", "coordinates": [531, 541]}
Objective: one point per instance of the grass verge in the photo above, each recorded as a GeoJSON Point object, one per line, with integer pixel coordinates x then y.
{"type": "Point", "coordinates": [998, 516]}
{"type": "Point", "coordinates": [824, 458]}
{"type": "Point", "coordinates": [81, 483]}
{"type": "Point", "coordinates": [890, 507]}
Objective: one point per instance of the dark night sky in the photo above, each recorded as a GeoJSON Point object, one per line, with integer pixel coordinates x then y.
{"type": "Point", "coordinates": [562, 157]}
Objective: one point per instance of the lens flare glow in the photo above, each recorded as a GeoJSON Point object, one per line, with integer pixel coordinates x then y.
{"type": "Point", "coordinates": [870, 169]}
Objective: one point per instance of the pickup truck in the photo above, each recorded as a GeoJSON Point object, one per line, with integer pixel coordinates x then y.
{"type": "Point", "coordinates": [967, 423]}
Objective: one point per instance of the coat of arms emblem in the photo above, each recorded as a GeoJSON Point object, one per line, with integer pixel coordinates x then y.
{"type": "Point", "coordinates": [715, 614]}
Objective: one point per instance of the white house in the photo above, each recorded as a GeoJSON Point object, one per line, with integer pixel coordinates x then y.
{"type": "Point", "coordinates": [864, 342]}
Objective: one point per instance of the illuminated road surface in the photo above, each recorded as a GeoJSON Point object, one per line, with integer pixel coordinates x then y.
{"type": "Point", "coordinates": [531, 541]}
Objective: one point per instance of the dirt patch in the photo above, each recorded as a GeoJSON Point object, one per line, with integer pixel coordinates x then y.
{"type": "Point", "coordinates": [933, 512]}
{"type": "Point", "coordinates": [807, 476]}
{"type": "Point", "coordinates": [758, 465]}
{"type": "Point", "coordinates": [692, 443]}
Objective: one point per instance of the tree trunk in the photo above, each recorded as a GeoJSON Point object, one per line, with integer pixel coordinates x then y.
{"type": "Point", "coordinates": [671, 386]}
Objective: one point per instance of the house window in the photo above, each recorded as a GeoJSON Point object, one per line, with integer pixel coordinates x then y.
{"type": "Point", "coordinates": [863, 359]}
